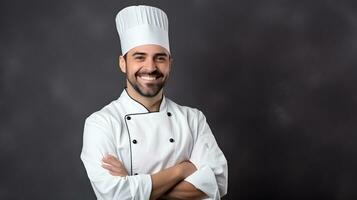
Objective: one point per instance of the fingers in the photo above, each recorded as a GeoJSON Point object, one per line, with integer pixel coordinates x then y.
{"type": "Point", "coordinates": [113, 171]}
{"type": "Point", "coordinates": [116, 174]}
{"type": "Point", "coordinates": [187, 168]}
{"type": "Point", "coordinates": [113, 165]}
{"type": "Point", "coordinates": [189, 163]}
{"type": "Point", "coordinates": [111, 168]}
{"type": "Point", "coordinates": [109, 159]}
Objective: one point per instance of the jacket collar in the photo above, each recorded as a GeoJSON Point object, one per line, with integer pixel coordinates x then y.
{"type": "Point", "coordinates": [131, 106]}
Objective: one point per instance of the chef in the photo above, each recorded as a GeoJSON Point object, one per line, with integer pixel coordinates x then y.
{"type": "Point", "coordinates": [143, 145]}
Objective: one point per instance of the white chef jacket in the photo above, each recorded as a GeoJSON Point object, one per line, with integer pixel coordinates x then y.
{"type": "Point", "coordinates": [147, 142]}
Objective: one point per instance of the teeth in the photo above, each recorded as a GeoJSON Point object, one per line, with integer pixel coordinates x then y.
{"type": "Point", "coordinates": [148, 78]}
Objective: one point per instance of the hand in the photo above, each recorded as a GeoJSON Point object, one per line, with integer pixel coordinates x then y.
{"type": "Point", "coordinates": [114, 166]}
{"type": "Point", "coordinates": [187, 168]}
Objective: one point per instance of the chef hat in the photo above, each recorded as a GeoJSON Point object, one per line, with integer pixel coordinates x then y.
{"type": "Point", "coordinates": [140, 25]}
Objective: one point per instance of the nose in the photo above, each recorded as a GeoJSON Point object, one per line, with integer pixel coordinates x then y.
{"type": "Point", "coordinates": [150, 65]}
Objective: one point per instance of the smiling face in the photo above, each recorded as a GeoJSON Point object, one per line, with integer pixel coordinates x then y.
{"type": "Point", "coordinates": [147, 68]}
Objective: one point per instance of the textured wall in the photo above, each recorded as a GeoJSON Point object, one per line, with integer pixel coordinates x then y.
{"type": "Point", "coordinates": [276, 80]}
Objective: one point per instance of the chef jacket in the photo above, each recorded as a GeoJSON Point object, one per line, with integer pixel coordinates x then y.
{"type": "Point", "coordinates": [148, 142]}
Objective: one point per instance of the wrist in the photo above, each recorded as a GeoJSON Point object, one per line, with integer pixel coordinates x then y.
{"type": "Point", "coordinates": [185, 169]}
{"type": "Point", "coordinates": [180, 171]}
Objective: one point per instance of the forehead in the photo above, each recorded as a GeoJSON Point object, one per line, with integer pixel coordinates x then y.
{"type": "Point", "coordinates": [149, 49]}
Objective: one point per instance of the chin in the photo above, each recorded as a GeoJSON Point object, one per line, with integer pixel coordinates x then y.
{"type": "Point", "coordinates": [150, 94]}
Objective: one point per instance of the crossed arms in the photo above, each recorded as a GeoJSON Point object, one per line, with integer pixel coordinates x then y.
{"type": "Point", "coordinates": [166, 184]}
{"type": "Point", "coordinates": [181, 181]}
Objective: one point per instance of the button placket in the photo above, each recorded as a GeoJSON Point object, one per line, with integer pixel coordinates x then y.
{"type": "Point", "coordinates": [171, 140]}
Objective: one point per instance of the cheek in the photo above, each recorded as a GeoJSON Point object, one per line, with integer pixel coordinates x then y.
{"type": "Point", "coordinates": [130, 71]}
{"type": "Point", "coordinates": [165, 70]}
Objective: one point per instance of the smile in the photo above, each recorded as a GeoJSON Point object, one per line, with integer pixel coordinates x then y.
{"type": "Point", "coordinates": [149, 77]}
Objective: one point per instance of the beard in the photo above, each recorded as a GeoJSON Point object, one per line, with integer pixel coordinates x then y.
{"type": "Point", "coordinates": [149, 89]}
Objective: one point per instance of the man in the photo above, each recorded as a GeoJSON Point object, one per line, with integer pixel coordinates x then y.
{"type": "Point", "coordinates": [143, 145]}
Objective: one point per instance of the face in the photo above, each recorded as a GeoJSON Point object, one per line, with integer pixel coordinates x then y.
{"type": "Point", "coordinates": [147, 69]}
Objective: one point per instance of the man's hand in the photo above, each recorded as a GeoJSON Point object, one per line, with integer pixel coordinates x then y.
{"type": "Point", "coordinates": [184, 190]}
{"type": "Point", "coordinates": [114, 166]}
{"type": "Point", "coordinates": [168, 180]}
{"type": "Point", "coordinates": [187, 168]}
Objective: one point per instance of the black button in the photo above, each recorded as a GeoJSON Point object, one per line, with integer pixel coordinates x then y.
{"type": "Point", "coordinates": [172, 140]}
{"type": "Point", "coordinates": [128, 118]}
{"type": "Point", "coordinates": [134, 141]}
{"type": "Point", "coordinates": [169, 114]}
{"type": "Point", "coordinates": [136, 174]}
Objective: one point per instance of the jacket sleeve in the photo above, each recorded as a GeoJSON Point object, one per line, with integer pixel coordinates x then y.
{"type": "Point", "coordinates": [211, 176]}
{"type": "Point", "coordinates": [98, 141]}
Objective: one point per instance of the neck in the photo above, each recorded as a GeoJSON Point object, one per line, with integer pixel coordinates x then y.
{"type": "Point", "coordinates": [150, 103]}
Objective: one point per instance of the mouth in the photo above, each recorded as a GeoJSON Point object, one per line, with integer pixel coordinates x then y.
{"type": "Point", "coordinates": [149, 77]}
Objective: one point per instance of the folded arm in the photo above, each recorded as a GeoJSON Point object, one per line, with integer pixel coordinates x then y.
{"type": "Point", "coordinates": [166, 184]}
{"type": "Point", "coordinates": [209, 179]}
{"type": "Point", "coordinates": [97, 142]}
{"type": "Point", "coordinates": [211, 176]}
{"type": "Point", "coordinates": [184, 191]}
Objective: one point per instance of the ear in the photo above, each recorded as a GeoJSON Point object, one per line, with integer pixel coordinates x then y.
{"type": "Point", "coordinates": [171, 61]}
{"type": "Point", "coordinates": [122, 64]}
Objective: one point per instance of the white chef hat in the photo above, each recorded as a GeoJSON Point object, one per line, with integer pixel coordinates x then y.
{"type": "Point", "coordinates": [141, 25]}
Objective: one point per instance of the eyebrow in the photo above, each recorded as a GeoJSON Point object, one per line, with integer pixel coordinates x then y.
{"type": "Point", "coordinates": [161, 54]}
{"type": "Point", "coordinates": [143, 54]}
{"type": "Point", "coordinates": [139, 54]}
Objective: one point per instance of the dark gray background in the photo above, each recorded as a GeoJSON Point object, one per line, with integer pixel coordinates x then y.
{"type": "Point", "coordinates": [276, 80]}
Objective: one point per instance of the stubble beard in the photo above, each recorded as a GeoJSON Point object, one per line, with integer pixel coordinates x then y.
{"type": "Point", "coordinates": [151, 91]}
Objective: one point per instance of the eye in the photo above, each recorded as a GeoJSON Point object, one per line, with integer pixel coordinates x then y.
{"type": "Point", "coordinates": [139, 58]}
{"type": "Point", "coordinates": [161, 58]}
